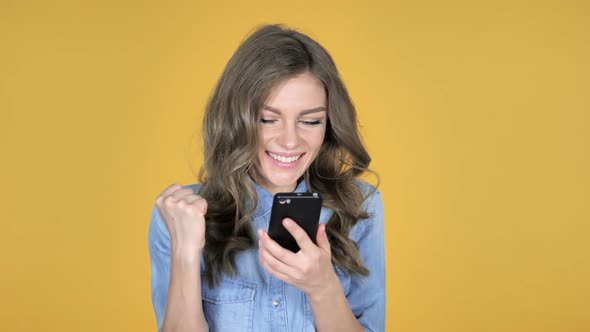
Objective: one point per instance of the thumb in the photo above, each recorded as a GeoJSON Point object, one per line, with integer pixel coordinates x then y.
{"type": "Point", "coordinates": [201, 204]}
{"type": "Point", "coordinates": [322, 238]}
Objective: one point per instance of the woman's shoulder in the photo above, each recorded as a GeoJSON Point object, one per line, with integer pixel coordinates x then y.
{"type": "Point", "coordinates": [373, 206]}
{"type": "Point", "coordinates": [194, 186]}
{"type": "Point", "coordinates": [370, 192]}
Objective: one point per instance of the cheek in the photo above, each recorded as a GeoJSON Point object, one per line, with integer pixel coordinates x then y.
{"type": "Point", "coordinates": [317, 140]}
{"type": "Point", "coordinates": [317, 143]}
{"type": "Point", "coordinates": [262, 139]}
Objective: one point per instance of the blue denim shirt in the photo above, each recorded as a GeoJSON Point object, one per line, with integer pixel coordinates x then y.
{"type": "Point", "coordinates": [256, 301]}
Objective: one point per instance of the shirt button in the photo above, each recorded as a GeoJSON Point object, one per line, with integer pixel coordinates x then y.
{"type": "Point", "coordinates": [275, 303]}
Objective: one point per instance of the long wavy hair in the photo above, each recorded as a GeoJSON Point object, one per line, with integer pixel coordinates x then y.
{"type": "Point", "coordinates": [271, 54]}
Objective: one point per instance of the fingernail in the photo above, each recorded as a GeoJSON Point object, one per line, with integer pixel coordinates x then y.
{"type": "Point", "coordinates": [287, 222]}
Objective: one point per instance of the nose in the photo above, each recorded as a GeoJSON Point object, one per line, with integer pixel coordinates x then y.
{"type": "Point", "coordinates": [289, 136]}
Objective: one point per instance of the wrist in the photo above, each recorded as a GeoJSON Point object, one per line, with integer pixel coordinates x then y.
{"type": "Point", "coordinates": [186, 255]}
{"type": "Point", "coordinates": [330, 290]}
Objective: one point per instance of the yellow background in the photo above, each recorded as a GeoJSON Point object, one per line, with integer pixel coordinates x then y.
{"type": "Point", "coordinates": [476, 115]}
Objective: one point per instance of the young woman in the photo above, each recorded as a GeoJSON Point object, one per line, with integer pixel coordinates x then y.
{"type": "Point", "coordinates": [279, 120]}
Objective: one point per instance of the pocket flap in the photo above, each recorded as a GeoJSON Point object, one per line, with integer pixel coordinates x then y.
{"type": "Point", "coordinates": [229, 291]}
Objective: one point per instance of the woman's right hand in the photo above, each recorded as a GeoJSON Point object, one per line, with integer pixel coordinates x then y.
{"type": "Point", "coordinates": [184, 215]}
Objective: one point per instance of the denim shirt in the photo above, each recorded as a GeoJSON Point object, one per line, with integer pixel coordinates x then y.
{"type": "Point", "coordinates": [256, 301]}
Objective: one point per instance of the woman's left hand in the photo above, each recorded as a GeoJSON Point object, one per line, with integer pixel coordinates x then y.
{"type": "Point", "coordinates": [310, 269]}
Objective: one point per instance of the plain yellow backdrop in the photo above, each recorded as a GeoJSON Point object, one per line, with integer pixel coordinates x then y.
{"type": "Point", "coordinates": [476, 115]}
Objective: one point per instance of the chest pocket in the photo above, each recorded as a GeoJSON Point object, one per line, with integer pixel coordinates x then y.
{"type": "Point", "coordinates": [229, 306]}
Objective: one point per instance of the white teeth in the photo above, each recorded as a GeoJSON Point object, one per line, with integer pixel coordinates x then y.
{"type": "Point", "coordinates": [283, 159]}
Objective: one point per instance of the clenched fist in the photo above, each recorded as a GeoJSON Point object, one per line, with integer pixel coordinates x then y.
{"type": "Point", "coordinates": [184, 215]}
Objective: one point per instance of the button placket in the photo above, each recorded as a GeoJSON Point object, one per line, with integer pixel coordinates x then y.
{"type": "Point", "coordinates": [278, 314]}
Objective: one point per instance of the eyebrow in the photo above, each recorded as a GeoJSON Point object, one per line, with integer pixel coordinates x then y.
{"type": "Point", "coordinates": [305, 112]}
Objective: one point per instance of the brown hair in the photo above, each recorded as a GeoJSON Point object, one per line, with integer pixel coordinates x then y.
{"type": "Point", "coordinates": [270, 55]}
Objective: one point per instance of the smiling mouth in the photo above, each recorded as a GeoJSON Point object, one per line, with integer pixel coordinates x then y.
{"type": "Point", "coordinates": [284, 159]}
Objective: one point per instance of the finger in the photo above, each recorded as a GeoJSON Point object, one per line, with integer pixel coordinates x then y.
{"type": "Point", "coordinates": [299, 234]}
{"type": "Point", "coordinates": [174, 200]}
{"type": "Point", "coordinates": [276, 265]}
{"type": "Point", "coordinates": [181, 193]}
{"type": "Point", "coordinates": [189, 199]}
{"type": "Point", "coordinates": [322, 238]}
{"type": "Point", "coordinates": [284, 255]}
{"type": "Point", "coordinates": [193, 201]}
{"type": "Point", "coordinates": [274, 273]}
{"type": "Point", "coordinates": [172, 188]}
{"type": "Point", "coordinates": [201, 205]}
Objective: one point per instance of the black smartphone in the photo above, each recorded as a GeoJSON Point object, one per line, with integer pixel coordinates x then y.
{"type": "Point", "coordinates": [303, 208]}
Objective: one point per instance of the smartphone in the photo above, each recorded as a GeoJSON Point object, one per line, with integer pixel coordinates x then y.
{"type": "Point", "coordinates": [303, 208]}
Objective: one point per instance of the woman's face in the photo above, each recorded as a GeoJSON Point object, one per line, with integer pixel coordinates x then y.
{"type": "Point", "coordinates": [291, 128]}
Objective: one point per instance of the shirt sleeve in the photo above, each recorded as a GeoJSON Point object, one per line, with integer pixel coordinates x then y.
{"type": "Point", "coordinates": [366, 296]}
{"type": "Point", "coordinates": [159, 249]}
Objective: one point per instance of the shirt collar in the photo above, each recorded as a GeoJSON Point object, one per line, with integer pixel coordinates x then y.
{"type": "Point", "coordinates": [265, 198]}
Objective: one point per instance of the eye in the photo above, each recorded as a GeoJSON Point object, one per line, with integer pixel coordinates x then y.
{"type": "Point", "coordinates": [263, 120]}
{"type": "Point", "coordinates": [311, 123]}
